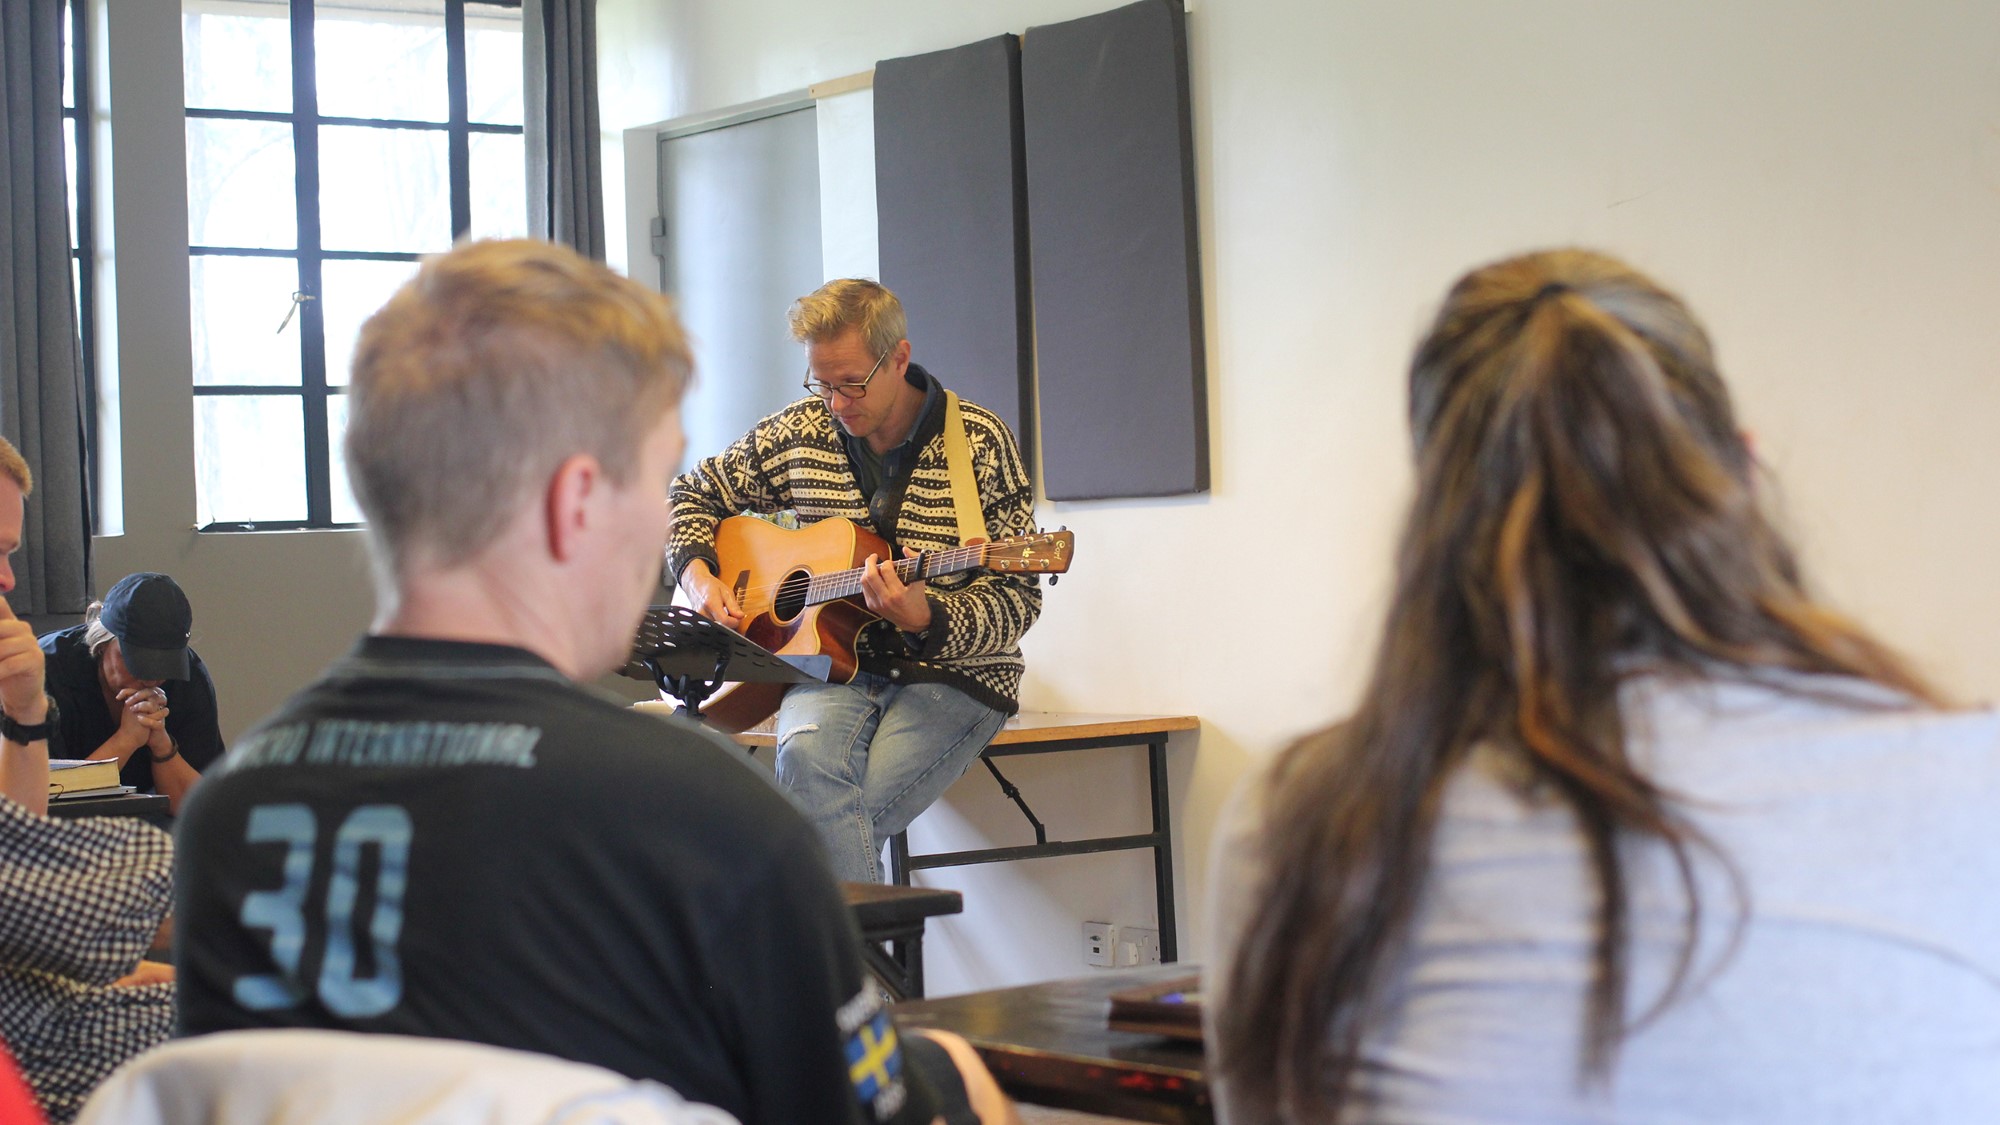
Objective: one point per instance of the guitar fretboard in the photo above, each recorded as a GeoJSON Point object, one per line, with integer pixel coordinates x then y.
{"type": "Point", "coordinates": [847, 583]}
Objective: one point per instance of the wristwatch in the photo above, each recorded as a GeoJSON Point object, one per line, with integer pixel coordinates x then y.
{"type": "Point", "coordinates": [22, 734]}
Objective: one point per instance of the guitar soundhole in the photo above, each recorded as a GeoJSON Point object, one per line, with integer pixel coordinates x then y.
{"type": "Point", "coordinates": [791, 599]}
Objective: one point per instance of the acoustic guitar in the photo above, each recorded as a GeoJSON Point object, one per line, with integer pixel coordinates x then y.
{"type": "Point", "coordinates": [800, 593]}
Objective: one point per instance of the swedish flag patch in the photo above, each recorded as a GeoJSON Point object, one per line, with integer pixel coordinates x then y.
{"type": "Point", "coordinates": [874, 1064]}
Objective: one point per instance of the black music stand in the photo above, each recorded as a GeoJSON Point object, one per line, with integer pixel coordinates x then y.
{"type": "Point", "coordinates": [689, 656]}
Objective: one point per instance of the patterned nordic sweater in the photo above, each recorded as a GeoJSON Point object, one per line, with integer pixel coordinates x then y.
{"type": "Point", "coordinates": [796, 459]}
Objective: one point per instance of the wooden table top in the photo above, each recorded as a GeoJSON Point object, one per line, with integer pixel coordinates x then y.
{"type": "Point", "coordinates": [1039, 726]}
{"type": "Point", "coordinates": [1049, 1044]}
{"type": "Point", "coordinates": [886, 904]}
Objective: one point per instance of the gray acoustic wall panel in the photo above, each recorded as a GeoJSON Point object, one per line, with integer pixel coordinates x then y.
{"type": "Point", "coordinates": [952, 213]}
{"type": "Point", "coordinates": [1117, 284]}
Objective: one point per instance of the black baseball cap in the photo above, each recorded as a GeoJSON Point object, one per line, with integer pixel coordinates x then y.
{"type": "Point", "coordinates": [150, 616]}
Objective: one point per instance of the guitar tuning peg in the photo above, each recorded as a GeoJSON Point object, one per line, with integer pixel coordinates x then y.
{"type": "Point", "coordinates": [1054, 578]}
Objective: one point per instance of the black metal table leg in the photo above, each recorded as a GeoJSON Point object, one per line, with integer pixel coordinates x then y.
{"type": "Point", "coordinates": [899, 859]}
{"type": "Point", "coordinates": [1163, 852]}
{"type": "Point", "coordinates": [902, 864]}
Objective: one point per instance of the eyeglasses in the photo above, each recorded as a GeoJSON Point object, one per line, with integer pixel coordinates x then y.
{"type": "Point", "coordinates": [846, 390]}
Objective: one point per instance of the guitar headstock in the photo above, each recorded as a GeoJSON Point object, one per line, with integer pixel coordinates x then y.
{"type": "Point", "coordinates": [1046, 552]}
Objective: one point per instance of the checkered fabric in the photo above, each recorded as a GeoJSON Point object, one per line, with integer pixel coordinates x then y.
{"type": "Point", "coordinates": [80, 902]}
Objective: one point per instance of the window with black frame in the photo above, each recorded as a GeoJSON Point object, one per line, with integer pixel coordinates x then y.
{"type": "Point", "coordinates": [330, 144]}
{"type": "Point", "coordinates": [79, 124]}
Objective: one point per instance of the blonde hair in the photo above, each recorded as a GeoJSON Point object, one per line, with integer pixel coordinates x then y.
{"type": "Point", "coordinates": [851, 302]}
{"type": "Point", "coordinates": [482, 374]}
{"type": "Point", "coordinates": [14, 467]}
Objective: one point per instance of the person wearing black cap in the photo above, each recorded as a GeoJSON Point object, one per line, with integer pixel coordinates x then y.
{"type": "Point", "coordinates": [130, 688]}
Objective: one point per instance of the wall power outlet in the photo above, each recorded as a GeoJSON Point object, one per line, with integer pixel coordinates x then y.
{"type": "Point", "coordinates": [1137, 946]}
{"type": "Point", "coordinates": [1100, 944]}
{"type": "Point", "coordinates": [1108, 946]}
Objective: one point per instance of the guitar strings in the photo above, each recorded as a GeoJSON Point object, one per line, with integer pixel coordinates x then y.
{"type": "Point", "coordinates": [846, 583]}
{"type": "Point", "coordinates": [826, 584]}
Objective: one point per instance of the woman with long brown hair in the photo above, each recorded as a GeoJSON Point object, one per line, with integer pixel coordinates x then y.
{"type": "Point", "coordinates": [1626, 826]}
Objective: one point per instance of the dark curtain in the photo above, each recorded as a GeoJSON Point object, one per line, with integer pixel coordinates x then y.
{"type": "Point", "coordinates": [565, 158]}
{"type": "Point", "coordinates": [41, 381]}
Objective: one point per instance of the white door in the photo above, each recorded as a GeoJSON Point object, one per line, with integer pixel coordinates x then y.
{"type": "Point", "coordinates": [742, 213]}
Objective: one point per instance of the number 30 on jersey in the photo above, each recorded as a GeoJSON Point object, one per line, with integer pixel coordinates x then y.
{"type": "Point", "coordinates": [283, 911]}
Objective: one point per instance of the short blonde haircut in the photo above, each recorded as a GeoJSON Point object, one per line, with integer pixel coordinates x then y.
{"type": "Point", "coordinates": [493, 365]}
{"type": "Point", "coordinates": [851, 302]}
{"type": "Point", "coordinates": [14, 467]}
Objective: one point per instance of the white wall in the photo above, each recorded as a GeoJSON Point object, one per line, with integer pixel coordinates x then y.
{"type": "Point", "coordinates": [1820, 178]}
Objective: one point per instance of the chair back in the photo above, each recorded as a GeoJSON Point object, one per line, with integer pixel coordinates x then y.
{"type": "Point", "coordinates": [301, 1077]}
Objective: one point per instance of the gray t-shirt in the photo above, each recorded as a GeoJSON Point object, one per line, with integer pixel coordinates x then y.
{"type": "Point", "coordinates": [1866, 985]}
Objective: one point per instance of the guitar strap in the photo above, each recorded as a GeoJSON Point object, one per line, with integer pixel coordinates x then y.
{"type": "Point", "coordinates": [958, 462]}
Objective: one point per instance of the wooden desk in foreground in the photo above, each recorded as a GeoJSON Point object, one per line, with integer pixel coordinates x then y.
{"type": "Point", "coordinates": [1050, 732]}
{"type": "Point", "coordinates": [1048, 1044]}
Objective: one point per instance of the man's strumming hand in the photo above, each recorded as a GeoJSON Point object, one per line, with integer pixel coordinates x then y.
{"type": "Point", "coordinates": [710, 596]}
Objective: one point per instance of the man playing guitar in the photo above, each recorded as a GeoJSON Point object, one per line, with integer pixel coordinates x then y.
{"type": "Point", "coordinates": [940, 671]}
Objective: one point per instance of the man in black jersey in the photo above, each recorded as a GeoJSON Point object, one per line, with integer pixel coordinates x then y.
{"type": "Point", "coordinates": [446, 836]}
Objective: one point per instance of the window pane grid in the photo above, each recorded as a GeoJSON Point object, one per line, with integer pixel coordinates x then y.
{"type": "Point", "coordinates": [276, 116]}
{"type": "Point", "coordinates": [493, 63]}
{"type": "Point", "coordinates": [241, 252]}
{"type": "Point", "coordinates": [77, 109]}
{"type": "Point", "coordinates": [322, 119]}
{"type": "Point", "coordinates": [403, 203]}
{"type": "Point", "coordinates": [371, 60]}
{"type": "Point", "coordinates": [323, 255]}
{"type": "Point", "coordinates": [242, 183]}
{"type": "Point", "coordinates": [237, 55]}
{"type": "Point", "coordinates": [349, 212]}
{"type": "Point", "coordinates": [69, 74]}
{"type": "Point", "coordinates": [251, 464]}
{"type": "Point", "coordinates": [246, 329]}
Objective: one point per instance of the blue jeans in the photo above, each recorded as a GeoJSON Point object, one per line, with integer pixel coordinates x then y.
{"type": "Point", "coordinates": [862, 759]}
